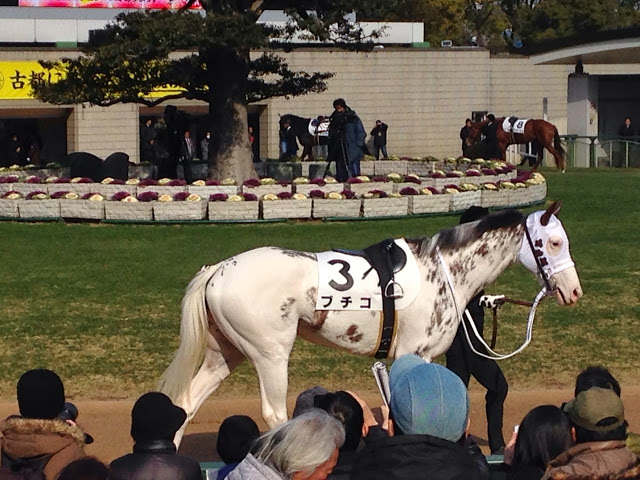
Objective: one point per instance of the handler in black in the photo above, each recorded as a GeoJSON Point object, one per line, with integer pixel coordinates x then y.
{"type": "Point", "coordinates": [464, 362]}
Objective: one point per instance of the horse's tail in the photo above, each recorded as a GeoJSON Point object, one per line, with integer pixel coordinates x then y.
{"type": "Point", "coordinates": [193, 337]}
{"type": "Point", "coordinates": [557, 144]}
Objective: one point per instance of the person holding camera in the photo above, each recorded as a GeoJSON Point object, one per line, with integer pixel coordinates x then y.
{"type": "Point", "coordinates": [40, 438]}
{"type": "Point", "coordinates": [346, 140]}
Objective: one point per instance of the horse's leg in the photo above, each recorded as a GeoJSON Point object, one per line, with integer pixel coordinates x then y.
{"type": "Point", "coordinates": [221, 357]}
{"type": "Point", "coordinates": [273, 377]}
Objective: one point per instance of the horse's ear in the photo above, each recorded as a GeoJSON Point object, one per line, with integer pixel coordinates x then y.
{"type": "Point", "coordinates": [553, 209]}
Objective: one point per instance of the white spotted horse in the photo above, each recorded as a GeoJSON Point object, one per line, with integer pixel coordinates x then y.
{"type": "Point", "coordinates": [254, 304]}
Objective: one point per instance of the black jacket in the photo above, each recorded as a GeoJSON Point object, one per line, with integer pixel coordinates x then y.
{"type": "Point", "coordinates": [379, 135]}
{"type": "Point", "coordinates": [409, 457]}
{"type": "Point", "coordinates": [155, 460]}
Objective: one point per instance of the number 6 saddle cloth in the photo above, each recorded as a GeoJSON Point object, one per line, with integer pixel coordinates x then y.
{"type": "Point", "coordinates": [347, 281]}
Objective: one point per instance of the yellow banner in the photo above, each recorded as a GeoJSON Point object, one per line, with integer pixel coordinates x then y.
{"type": "Point", "coordinates": [16, 79]}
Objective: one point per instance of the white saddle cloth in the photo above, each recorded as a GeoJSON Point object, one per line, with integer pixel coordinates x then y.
{"type": "Point", "coordinates": [518, 127]}
{"type": "Point", "coordinates": [349, 282]}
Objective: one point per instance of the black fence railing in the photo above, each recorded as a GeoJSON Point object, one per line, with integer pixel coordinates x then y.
{"type": "Point", "coordinates": [601, 152]}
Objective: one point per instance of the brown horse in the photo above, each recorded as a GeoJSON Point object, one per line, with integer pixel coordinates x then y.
{"type": "Point", "coordinates": [537, 129]}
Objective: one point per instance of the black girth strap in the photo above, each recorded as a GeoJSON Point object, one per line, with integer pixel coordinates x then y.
{"type": "Point", "coordinates": [387, 258]}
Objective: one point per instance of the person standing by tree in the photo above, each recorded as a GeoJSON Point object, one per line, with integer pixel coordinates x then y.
{"type": "Point", "coordinates": [379, 134]}
{"type": "Point", "coordinates": [346, 140]}
{"type": "Point", "coordinates": [204, 146]}
{"type": "Point", "coordinates": [187, 154]}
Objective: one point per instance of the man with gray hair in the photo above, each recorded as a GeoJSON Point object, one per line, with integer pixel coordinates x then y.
{"type": "Point", "coordinates": [429, 408]}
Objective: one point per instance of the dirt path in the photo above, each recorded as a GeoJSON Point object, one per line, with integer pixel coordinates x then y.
{"type": "Point", "coordinates": [109, 421]}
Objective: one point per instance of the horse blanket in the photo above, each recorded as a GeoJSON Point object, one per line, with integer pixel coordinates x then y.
{"type": "Point", "coordinates": [319, 127]}
{"type": "Point", "coordinates": [349, 282]}
{"type": "Point", "coordinates": [518, 125]}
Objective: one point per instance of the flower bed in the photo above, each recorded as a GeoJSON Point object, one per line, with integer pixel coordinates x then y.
{"type": "Point", "coordinates": [9, 202]}
{"type": "Point", "coordinates": [385, 167]}
{"type": "Point", "coordinates": [287, 208]}
{"type": "Point", "coordinates": [327, 208]}
{"type": "Point", "coordinates": [262, 190]}
{"type": "Point", "coordinates": [364, 187]}
{"type": "Point", "coordinates": [38, 205]}
{"type": "Point", "coordinates": [385, 207]}
{"type": "Point", "coordinates": [236, 207]}
{"type": "Point", "coordinates": [90, 207]}
{"type": "Point", "coordinates": [419, 204]}
{"type": "Point", "coordinates": [463, 200]}
{"type": "Point", "coordinates": [205, 191]}
{"type": "Point", "coordinates": [494, 198]}
{"type": "Point", "coordinates": [124, 206]}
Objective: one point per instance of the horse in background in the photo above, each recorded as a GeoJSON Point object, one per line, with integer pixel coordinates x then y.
{"type": "Point", "coordinates": [544, 132]}
{"type": "Point", "coordinates": [300, 127]}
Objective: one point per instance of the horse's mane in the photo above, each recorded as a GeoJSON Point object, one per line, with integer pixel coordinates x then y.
{"type": "Point", "coordinates": [462, 235]}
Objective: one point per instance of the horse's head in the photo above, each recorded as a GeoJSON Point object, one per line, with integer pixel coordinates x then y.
{"type": "Point", "coordinates": [474, 132]}
{"type": "Point", "coordinates": [548, 255]}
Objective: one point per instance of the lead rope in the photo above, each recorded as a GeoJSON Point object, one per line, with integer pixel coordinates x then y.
{"type": "Point", "coordinates": [493, 355]}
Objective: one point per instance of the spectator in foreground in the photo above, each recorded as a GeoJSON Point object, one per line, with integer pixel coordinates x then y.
{"type": "Point", "coordinates": [600, 430]}
{"type": "Point", "coordinates": [37, 432]}
{"type": "Point", "coordinates": [87, 468]}
{"type": "Point", "coordinates": [430, 417]}
{"type": "Point", "coordinates": [235, 439]}
{"type": "Point", "coordinates": [154, 422]}
{"type": "Point", "coordinates": [597, 376]}
{"type": "Point", "coordinates": [304, 448]}
{"type": "Point", "coordinates": [544, 433]}
{"type": "Point", "coordinates": [305, 400]}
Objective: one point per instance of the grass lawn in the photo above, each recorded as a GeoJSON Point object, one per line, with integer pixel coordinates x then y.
{"type": "Point", "coordinates": [100, 303]}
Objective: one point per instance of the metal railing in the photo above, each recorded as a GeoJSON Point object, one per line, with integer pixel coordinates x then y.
{"type": "Point", "coordinates": [616, 153]}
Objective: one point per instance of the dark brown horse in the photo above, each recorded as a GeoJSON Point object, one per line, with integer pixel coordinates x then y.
{"type": "Point", "coordinates": [537, 129]}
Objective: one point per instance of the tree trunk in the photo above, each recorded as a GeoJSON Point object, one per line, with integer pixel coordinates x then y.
{"type": "Point", "coordinates": [230, 152]}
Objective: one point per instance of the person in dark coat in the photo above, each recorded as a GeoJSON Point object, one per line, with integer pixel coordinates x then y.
{"type": "Point", "coordinates": [465, 363]}
{"type": "Point", "coordinates": [236, 436]}
{"type": "Point", "coordinates": [148, 135]}
{"type": "Point", "coordinates": [626, 131]}
{"type": "Point", "coordinates": [187, 154]}
{"type": "Point", "coordinates": [464, 134]}
{"type": "Point", "coordinates": [38, 431]}
{"type": "Point", "coordinates": [379, 134]}
{"type": "Point", "coordinates": [154, 422]}
{"type": "Point", "coordinates": [346, 140]}
{"type": "Point", "coordinates": [429, 408]}
{"type": "Point", "coordinates": [490, 131]}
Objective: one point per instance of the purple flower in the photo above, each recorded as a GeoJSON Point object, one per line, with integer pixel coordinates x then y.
{"type": "Point", "coordinates": [451, 185]}
{"type": "Point", "coordinates": [86, 196]}
{"type": "Point", "coordinates": [33, 180]}
{"type": "Point", "coordinates": [348, 194]}
{"type": "Point", "coordinates": [378, 193]}
{"type": "Point", "coordinates": [180, 196]}
{"type": "Point", "coordinates": [433, 190]}
{"type": "Point", "coordinates": [412, 180]}
{"type": "Point", "coordinates": [30, 195]}
{"type": "Point", "coordinates": [316, 194]}
{"type": "Point", "coordinates": [212, 182]}
{"type": "Point", "coordinates": [12, 192]}
{"type": "Point", "coordinates": [251, 182]}
{"type": "Point", "coordinates": [148, 197]}
{"type": "Point", "coordinates": [436, 175]}
{"type": "Point", "coordinates": [147, 182]}
{"type": "Point", "coordinates": [63, 180]}
{"type": "Point", "coordinates": [84, 180]}
{"type": "Point", "coordinates": [249, 197]}
{"type": "Point", "coordinates": [177, 182]}
{"type": "Point", "coordinates": [406, 158]}
{"type": "Point", "coordinates": [354, 180]}
{"type": "Point", "coordinates": [379, 179]}
{"type": "Point", "coordinates": [284, 195]}
{"type": "Point", "coordinates": [472, 173]}
{"type": "Point", "coordinates": [318, 181]}
{"type": "Point", "coordinates": [116, 181]}
{"type": "Point", "coordinates": [452, 175]}
{"type": "Point", "coordinates": [408, 191]}
{"type": "Point", "coordinates": [56, 195]}
{"type": "Point", "coordinates": [218, 197]}
{"type": "Point", "coordinates": [118, 196]}
{"type": "Point", "coordinates": [488, 171]}
{"type": "Point", "coordinates": [9, 179]}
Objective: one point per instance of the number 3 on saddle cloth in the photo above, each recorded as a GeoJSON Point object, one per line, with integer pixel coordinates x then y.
{"type": "Point", "coordinates": [384, 277]}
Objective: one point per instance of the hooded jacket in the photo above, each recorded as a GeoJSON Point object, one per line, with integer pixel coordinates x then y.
{"type": "Point", "coordinates": [30, 437]}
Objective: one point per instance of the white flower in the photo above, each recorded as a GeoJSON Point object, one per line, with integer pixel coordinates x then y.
{"type": "Point", "coordinates": [490, 186]}
{"type": "Point", "coordinates": [394, 195]}
{"type": "Point", "coordinates": [13, 196]}
{"type": "Point", "coordinates": [228, 181]}
{"type": "Point", "coordinates": [449, 160]}
{"type": "Point", "coordinates": [268, 181]}
{"type": "Point", "coordinates": [76, 179]}
{"type": "Point", "coordinates": [413, 175]}
{"type": "Point", "coordinates": [299, 196]}
{"type": "Point", "coordinates": [164, 181]}
{"type": "Point", "coordinates": [450, 190]}
{"type": "Point", "coordinates": [425, 191]}
{"type": "Point", "coordinates": [165, 198]}
{"type": "Point", "coordinates": [520, 185]}
{"type": "Point", "coordinates": [364, 178]}
{"type": "Point", "coordinates": [300, 181]}
{"type": "Point", "coordinates": [395, 177]}
{"type": "Point", "coordinates": [368, 195]}
{"type": "Point", "coordinates": [330, 180]}
{"type": "Point", "coordinates": [129, 199]}
{"type": "Point", "coordinates": [193, 198]}
{"type": "Point", "coordinates": [71, 196]}
{"type": "Point", "coordinates": [199, 183]}
{"type": "Point", "coordinates": [270, 197]}
{"type": "Point", "coordinates": [51, 180]}
{"type": "Point", "coordinates": [29, 178]}
{"type": "Point", "coordinates": [235, 198]}
{"type": "Point", "coordinates": [334, 196]}
{"type": "Point", "coordinates": [132, 181]}
{"type": "Point", "coordinates": [96, 197]}
{"type": "Point", "coordinates": [457, 173]}
{"type": "Point", "coordinates": [507, 185]}
{"type": "Point", "coordinates": [107, 180]}
{"type": "Point", "coordinates": [14, 167]}
{"type": "Point", "coordinates": [468, 187]}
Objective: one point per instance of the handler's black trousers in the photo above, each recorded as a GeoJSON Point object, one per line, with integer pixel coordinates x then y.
{"type": "Point", "coordinates": [463, 362]}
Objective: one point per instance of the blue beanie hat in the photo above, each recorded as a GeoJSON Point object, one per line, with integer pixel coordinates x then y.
{"type": "Point", "coordinates": [428, 399]}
